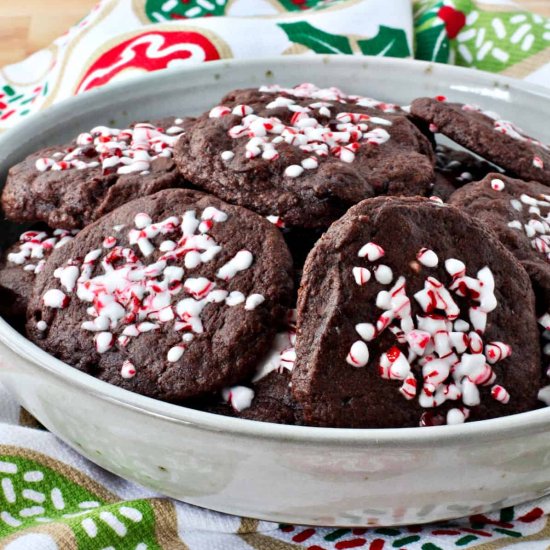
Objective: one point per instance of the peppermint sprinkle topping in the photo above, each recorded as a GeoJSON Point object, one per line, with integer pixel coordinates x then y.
{"type": "Point", "coordinates": [361, 275]}
{"type": "Point", "coordinates": [506, 127]}
{"type": "Point", "coordinates": [128, 370]}
{"type": "Point", "coordinates": [383, 274]}
{"type": "Point", "coordinates": [311, 129]}
{"type": "Point", "coordinates": [282, 354]}
{"type": "Point", "coordinates": [240, 262]}
{"type": "Point", "coordinates": [452, 357]}
{"type": "Point", "coordinates": [358, 355]}
{"type": "Point", "coordinates": [427, 257]}
{"type": "Point", "coordinates": [293, 171]}
{"type": "Point", "coordinates": [277, 221]}
{"type": "Point", "coordinates": [104, 341]}
{"type": "Point", "coordinates": [175, 353]}
{"type": "Point", "coordinates": [457, 416]}
{"type": "Point", "coordinates": [537, 228]}
{"type": "Point", "coordinates": [497, 184]}
{"type": "Point", "coordinates": [239, 397]}
{"type": "Point", "coordinates": [56, 299]}
{"type": "Point", "coordinates": [538, 163]}
{"type": "Point", "coordinates": [122, 151]}
{"type": "Point", "coordinates": [253, 301]}
{"type": "Point", "coordinates": [36, 245]}
{"type": "Point", "coordinates": [371, 251]}
{"type": "Point", "coordinates": [128, 298]}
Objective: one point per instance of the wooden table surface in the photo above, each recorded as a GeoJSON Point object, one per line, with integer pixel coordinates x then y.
{"type": "Point", "coordinates": [28, 25]}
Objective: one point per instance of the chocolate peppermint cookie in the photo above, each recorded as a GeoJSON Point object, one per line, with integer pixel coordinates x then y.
{"type": "Point", "coordinates": [19, 266]}
{"type": "Point", "coordinates": [70, 186]}
{"type": "Point", "coordinates": [412, 313]}
{"type": "Point", "coordinates": [173, 296]}
{"type": "Point", "coordinates": [485, 133]}
{"type": "Point", "coordinates": [303, 154]}
{"type": "Point", "coordinates": [519, 213]}
{"type": "Point", "coordinates": [267, 397]}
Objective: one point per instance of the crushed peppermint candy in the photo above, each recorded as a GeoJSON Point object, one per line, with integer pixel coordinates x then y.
{"type": "Point", "coordinates": [282, 354]}
{"type": "Point", "coordinates": [427, 257]}
{"type": "Point", "coordinates": [277, 221]}
{"type": "Point", "coordinates": [56, 299]}
{"type": "Point", "coordinates": [128, 297]}
{"type": "Point", "coordinates": [537, 228]}
{"type": "Point", "coordinates": [239, 397]}
{"type": "Point", "coordinates": [497, 184]}
{"type": "Point", "coordinates": [448, 349]}
{"type": "Point", "coordinates": [121, 151]}
{"type": "Point", "coordinates": [36, 245]}
{"type": "Point", "coordinates": [544, 395]}
{"type": "Point", "coordinates": [312, 128]}
{"type": "Point", "coordinates": [128, 370]}
{"type": "Point", "coordinates": [506, 127]}
{"type": "Point", "coordinates": [332, 94]}
{"type": "Point", "coordinates": [538, 162]}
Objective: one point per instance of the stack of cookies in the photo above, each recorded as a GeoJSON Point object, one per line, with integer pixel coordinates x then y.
{"type": "Point", "coordinates": [294, 255]}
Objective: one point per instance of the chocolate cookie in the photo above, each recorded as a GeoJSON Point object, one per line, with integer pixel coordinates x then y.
{"type": "Point", "coordinates": [305, 158]}
{"type": "Point", "coordinates": [19, 266]}
{"type": "Point", "coordinates": [485, 133]}
{"type": "Point", "coordinates": [519, 213]}
{"type": "Point", "coordinates": [411, 312]}
{"type": "Point", "coordinates": [70, 186]}
{"type": "Point", "coordinates": [173, 295]}
{"type": "Point", "coordinates": [267, 398]}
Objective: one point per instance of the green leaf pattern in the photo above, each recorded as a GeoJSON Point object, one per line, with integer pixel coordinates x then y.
{"type": "Point", "coordinates": [388, 41]}
{"type": "Point", "coordinates": [315, 39]}
{"type": "Point", "coordinates": [34, 495]}
{"type": "Point", "coordinates": [494, 41]}
{"type": "Point", "coordinates": [490, 40]}
{"type": "Point", "coordinates": [166, 10]}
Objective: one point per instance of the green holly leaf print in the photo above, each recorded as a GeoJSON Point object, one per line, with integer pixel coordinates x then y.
{"type": "Point", "coordinates": [388, 42]}
{"type": "Point", "coordinates": [166, 10]}
{"type": "Point", "coordinates": [300, 5]}
{"type": "Point", "coordinates": [432, 44]}
{"type": "Point", "coordinates": [494, 41]}
{"type": "Point", "coordinates": [315, 39]}
{"type": "Point", "coordinates": [35, 495]}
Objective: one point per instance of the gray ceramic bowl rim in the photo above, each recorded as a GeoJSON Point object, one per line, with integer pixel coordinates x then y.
{"type": "Point", "coordinates": [481, 431]}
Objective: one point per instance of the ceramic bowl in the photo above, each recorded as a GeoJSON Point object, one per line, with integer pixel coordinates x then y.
{"type": "Point", "coordinates": [318, 476]}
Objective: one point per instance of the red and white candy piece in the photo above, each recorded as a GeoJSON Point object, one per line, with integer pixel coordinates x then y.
{"type": "Point", "coordinates": [371, 251]}
{"type": "Point", "coordinates": [358, 355]}
{"type": "Point", "coordinates": [427, 257]}
{"type": "Point", "coordinates": [239, 397]}
{"type": "Point", "coordinates": [361, 275]}
{"type": "Point", "coordinates": [500, 394]}
{"type": "Point", "coordinates": [497, 184]}
{"type": "Point", "coordinates": [457, 416]}
{"type": "Point", "coordinates": [104, 341]}
{"type": "Point", "coordinates": [55, 298]}
{"type": "Point", "coordinates": [219, 111]}
{"type": "Point", "coordinates": [128, 370]}
{"type": "Point", "coordinates": [497, 351]}
{"type": "Point", "coordinates": [538, 162]}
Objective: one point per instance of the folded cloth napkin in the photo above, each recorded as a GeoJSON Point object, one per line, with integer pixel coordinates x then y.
{"type": "Point", "coordinates": [50, 497]}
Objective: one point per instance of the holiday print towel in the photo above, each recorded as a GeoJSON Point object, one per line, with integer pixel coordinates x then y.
{"type": "Point", "coordinates": [52, 498]}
